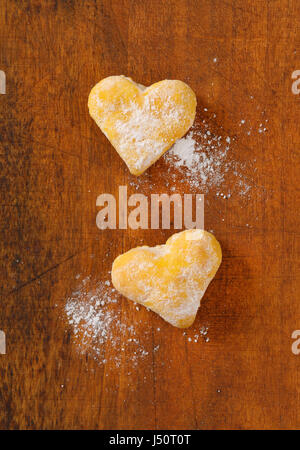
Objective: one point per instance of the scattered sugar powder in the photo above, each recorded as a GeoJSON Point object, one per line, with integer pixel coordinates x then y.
{"type": "Point", "coordinates": [201, 168]}
{"type": "Point", "coordinates": [194, 334]}
{"type": "Point", "coordinates": [204, 159]}
{"type": "Point", "coordinates": [95, 318]}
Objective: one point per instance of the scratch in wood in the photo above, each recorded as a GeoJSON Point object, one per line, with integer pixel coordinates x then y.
{"type": "Point", "coordinates": [18, 288]}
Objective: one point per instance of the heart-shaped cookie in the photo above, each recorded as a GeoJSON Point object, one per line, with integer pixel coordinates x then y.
{"type": "Point", "coordinates": [170, 279]}
{"type": "Point", "coordinates": [142, 123]}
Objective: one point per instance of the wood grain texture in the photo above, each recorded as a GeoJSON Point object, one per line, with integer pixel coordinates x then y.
{"type": "Point", "coordinates": [238, 56]}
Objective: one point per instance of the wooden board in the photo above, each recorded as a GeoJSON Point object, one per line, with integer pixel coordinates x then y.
{"type": "Point", "coordinates": [238, 56]}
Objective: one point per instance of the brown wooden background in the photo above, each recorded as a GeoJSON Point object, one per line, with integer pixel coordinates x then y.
{"type": "Point", "coordinates": [54, 162]}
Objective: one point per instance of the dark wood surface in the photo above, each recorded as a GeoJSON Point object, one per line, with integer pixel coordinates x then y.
{"type": "Point", "coordinates": [238, 56]}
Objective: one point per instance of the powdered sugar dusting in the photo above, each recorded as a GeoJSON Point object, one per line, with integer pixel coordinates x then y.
{"type": "Point", "coordinates": [96, 323]}
{"type": "Point", "coordinates": [204, 159]}
{"type": "Point", "coordinates": [137, 131]}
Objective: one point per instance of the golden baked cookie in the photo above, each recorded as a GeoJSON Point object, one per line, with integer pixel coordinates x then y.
{"type": "Point", "coordinates": [170, 279]}
{"type": "Point", "coordinates": [142, 123]}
